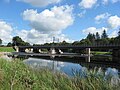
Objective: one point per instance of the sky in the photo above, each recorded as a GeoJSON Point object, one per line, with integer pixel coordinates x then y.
{"type": "Point", "coordinates": [38, 21]}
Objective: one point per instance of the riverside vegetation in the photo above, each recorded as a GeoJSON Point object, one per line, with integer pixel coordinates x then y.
{"type": "Point", "coordinates": [15, 75]}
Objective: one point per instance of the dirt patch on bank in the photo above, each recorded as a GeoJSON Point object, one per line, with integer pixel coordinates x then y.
{"type": "Point", "coordinates": [4, 55]}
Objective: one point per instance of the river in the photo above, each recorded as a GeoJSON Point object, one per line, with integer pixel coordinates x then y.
{"type": "Point", "coordinates": [69, 68]}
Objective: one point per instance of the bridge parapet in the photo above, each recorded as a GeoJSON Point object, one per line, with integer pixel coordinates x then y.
{"type": "Point", "coordinates": [109, 46]}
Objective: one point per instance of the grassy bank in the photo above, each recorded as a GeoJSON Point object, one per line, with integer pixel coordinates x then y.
{"type": "Point", "coordinates": [6, 49]}
{"type": "Point", "coordinates": [101, 53]}
{"type": "Point", "coordinates": [15, 75]}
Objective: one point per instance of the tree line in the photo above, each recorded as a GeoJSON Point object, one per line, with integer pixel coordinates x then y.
{"type": "Point", "coordinates": [98, 39]}
{"type": "Point", "coordinates": [16, 41]}
{"type": "Point", "coordinates": [91, 39]}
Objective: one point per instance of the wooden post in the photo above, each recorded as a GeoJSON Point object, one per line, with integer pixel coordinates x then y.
{"type": "Point", "coordinates": [88, 54]}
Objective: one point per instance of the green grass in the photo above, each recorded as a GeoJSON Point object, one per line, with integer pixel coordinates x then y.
{"type": "Point", "coordinates": [6, 49]}
{"type": "Point", "coordinates": [15, 75]}
{"type": "Point", "coordinates": [101, 53]}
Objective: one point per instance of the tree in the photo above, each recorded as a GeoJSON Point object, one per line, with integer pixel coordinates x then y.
{"type": "Point", "coordinates": [117, 39]}
{"type": "Point", "coordinates": [91, 38]}
{"type": "Point", "coordinates": [76, 43]}
{"type": "Point", "coordinates": [64, 43]}
{"type": "Point", "coordinates": [85, 42]}
{"type": "Point", "coordinates": [19, 42]}
{"type": "Point", "coordinates": [0, 41]}
{"type": "Point", "coordinates": [104, 35]}
{"type": "Point", "coordinates": [9, 44]}
{"type": "Point", "coordinates": [97, 36]}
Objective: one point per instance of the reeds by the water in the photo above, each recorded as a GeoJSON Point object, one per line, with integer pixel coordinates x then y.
{"type": "Point", "coordinates": [15, 75]}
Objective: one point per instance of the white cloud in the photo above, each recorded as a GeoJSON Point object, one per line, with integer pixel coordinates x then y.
{"type": "Point", "coordinates": [87, 3]}
{"type": "Point", "coordinates": [111, 1]}
{"type": "Point", "coordinates": [114, 21]}
{"type": "Point", "coordinates": [50, 21]}
{"type": "Point", "coordinates": [101, 17]}
{"type": "Point", "coordinates": [35, 37]}
{"type": "Point", "coordinates": [94, 30]}
{"type": "Point", "coordinates": [32, 36]}
{"type": "Point", "coordinates": [5, 32]}
{"type": "Point", "coordinates": [47, 24]}
{"type": "Point", "coordinates": [40, 3]}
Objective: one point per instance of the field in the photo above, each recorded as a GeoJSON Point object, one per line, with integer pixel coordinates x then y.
{"type": "Point", "coordinates": [6, 49]}
{"type": "Point", "coordinates": [15, 75]}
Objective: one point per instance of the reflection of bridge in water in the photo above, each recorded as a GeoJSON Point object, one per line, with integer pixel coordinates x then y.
{"type": "Point", "coordinates": [56, 50]}
{"type": "Point", "coordinates": [89, 65]}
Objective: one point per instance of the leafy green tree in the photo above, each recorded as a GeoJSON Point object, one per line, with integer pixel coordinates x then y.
{"type": "Point", "coordinates": [76, 43]}
{"type": "Point", "coordinates": [0, 41]}
{"type": "Point", "coordinates": [85, 42]}
{"type": "Point", "coordinates": [91, 38]}
{"type": "Point", "coordinates": [105, 41]}
{"type": "Point", "coordinates": [104, 35]}
{"type": "Point", "coordinates": [64, 43]}
{"type": "Point", "coordinates": [19, 42]}
{"type": "Point", "coordinates": [97, 36]}
{"type": "Point", "coordinates": [117, 39]}
{"type": "Point", "coordinates": [9, 44]}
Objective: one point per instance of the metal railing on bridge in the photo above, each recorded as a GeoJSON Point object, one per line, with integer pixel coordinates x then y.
{"type": "Point", "coordinates": [75, 46]}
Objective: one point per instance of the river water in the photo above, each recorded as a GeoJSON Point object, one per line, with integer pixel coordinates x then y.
{"type": "Point", "coordinates": [67, 67]}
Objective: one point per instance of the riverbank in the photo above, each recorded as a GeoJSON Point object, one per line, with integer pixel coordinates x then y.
{"type": "Point", "coordinates": [15, 75]}
{"type": "Point", "coordinates": [6, 49]}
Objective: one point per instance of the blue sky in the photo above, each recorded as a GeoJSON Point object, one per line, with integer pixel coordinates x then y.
{"type": "Point", "coordinates": [37, 21]}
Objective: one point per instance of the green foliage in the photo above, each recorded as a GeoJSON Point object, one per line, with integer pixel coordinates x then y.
{"type": "Point", "coordinates": [97, 36]}
{"type": "Point", "coordinates": [85, 42]}
{"type": "Point", "coordinates": [105, 41]}
{"type": "Point", "coordinates": [91, 37]}
{"type": "Point", "coordinates": [0, 41]}
{"type": "Point", "coordinates": [19, 42]}
{"type": "Point", "coordinates": [15, 75]}
{"type": "Point", "coordinates": [104, 35]}
{"type": "Point", "coordinates": [64, 43]}
{"type": "Point", "coordinates": [101, 53]}
{"type": "Point", "coordinates": [9, 44]}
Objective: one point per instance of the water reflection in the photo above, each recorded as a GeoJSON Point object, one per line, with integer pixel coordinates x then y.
{"type": "Point", "coordinates": [55, 65]}
{"type": "Point", "coordinates": [112, 72]}
{"type": "Point", "coordinates": [67, 68]}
